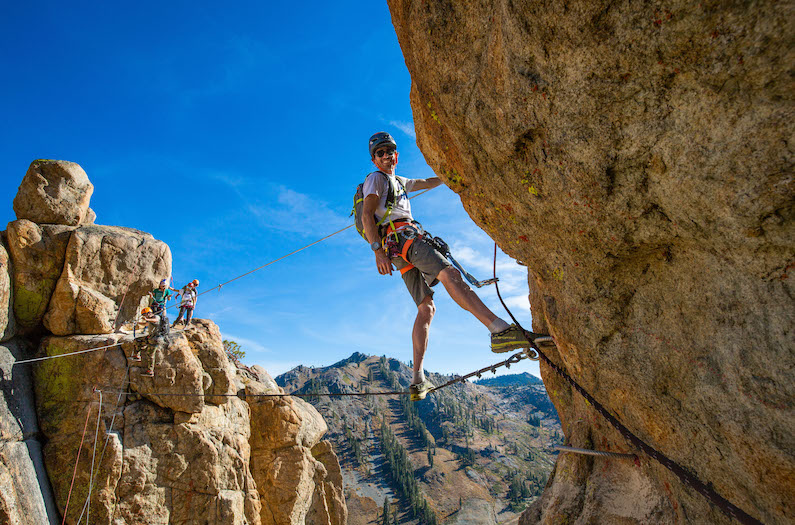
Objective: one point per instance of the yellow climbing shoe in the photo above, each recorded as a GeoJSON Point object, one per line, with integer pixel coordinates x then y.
{"type": "Point", "coordinates": [420, 390]}
{"type": "Point", "coordinates": [510, 339]}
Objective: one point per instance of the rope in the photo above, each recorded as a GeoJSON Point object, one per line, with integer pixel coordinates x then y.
{"type": "Point", "coordinates": [506, 363]}
{"type": "Point", "coordinates": [493, 368]}
{"type": "Point", "coordinates": [107, 434]}
{"type": "Point", "coordinates": [216, 287]}
{"type": "Point", "coordinates": [219, 286]}
{"type": "Point", "coordinates": [600, 453]}
{"type": "Point", "coordinates": [684, 475]}
{"type": "Point", "coordinates": [74, 473]}
{"type": "Point", "coordinates": [93, 456]}
{"type": "Point", "coordinates": [245, 396]}
{"type": "Point", "coordinates": [73, 353]}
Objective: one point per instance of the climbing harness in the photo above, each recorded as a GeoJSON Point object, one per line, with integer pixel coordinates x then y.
{"type": "Point", "coordinates": [412, 230]}
{"type": "Point", "coordinates": [684, 475]}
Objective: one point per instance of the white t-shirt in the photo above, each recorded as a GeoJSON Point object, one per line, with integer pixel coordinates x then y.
{"type": "Point", "coordinates": [189, 296]}
{"type": "Point", "coordinates": [376, 184]}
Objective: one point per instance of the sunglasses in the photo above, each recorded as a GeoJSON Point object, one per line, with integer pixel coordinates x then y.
{"type": "Point", "coordinates": [381, 152]}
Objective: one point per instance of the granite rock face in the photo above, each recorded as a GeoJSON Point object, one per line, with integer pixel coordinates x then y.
{"type": "Point", "coordinates": [205, 341]}
{"type": "Point", "coordinates": [167, 456]}
{"type": "Point", "coordinates": [25, 493]}
{"type": "Point", "coordinates": [7, 321]}
{"type": "Point", "coordinates": [637, 156]}
{"type": "Point", "coordinates": [54, 192]}
{"type": "Point", "coordinates": [162, 458]}
{"type": "Point", "coordinates": [292, 483]}
{"type": "Point", "coordinates": [172, 448]}
{"type": "Point", "coordinates": [328, 501]}
{"type": "Point", "coordinates": [38, 253]}
{"type": "Point", "coordinates": [107, 273]}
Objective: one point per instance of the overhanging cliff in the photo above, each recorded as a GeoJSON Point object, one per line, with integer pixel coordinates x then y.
{"type": "Point", "coordinates": [637, 156]}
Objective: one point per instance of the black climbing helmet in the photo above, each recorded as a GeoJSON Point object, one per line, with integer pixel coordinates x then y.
{"type": "Point", "coordinates": [380, 139]}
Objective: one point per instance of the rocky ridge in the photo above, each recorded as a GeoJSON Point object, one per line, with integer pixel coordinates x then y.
{"type": "Point", "coordinates": [637, 156]}
{"type": "Point", "coordinates": [200, 442]}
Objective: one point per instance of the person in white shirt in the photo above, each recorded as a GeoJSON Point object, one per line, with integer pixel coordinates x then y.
{"type": "Point", "coordinates": [400, 242]}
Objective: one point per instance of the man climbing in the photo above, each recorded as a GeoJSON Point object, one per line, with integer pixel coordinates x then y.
{"type": "Point", "coordinates": [189, 299]}
{"type": "Point", "coordinates": [157, 325]}
{"type": "Point", "coordinates": [397, 239]}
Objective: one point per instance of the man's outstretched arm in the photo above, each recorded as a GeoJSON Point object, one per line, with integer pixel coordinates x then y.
{"type": "Point", "coordinates": [371, 231]}
{"type": "Point", "coordinates": [424, 184]}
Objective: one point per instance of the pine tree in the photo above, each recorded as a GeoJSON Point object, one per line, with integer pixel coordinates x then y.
{"type": "Point", "coordinates": [387, 512]}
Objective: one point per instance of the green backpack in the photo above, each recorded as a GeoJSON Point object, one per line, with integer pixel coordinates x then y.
{"type": "Point", "coordinates": [358, 203]}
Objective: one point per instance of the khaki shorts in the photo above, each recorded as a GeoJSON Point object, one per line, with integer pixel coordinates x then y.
{"type": "Point", "coordinates": [427, 261]}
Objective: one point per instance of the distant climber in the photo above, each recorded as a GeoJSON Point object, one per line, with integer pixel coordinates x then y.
{"type": "Point", "coordinates": [147, 321]}
{"type": "Point", "coordinates": [160, 295]}
{"type": "Point", "coordinates": [397, 239]}
{"type": "Point", "coordinates": [189, 298]}
{"type": "Point", "coordinates": [158, 328]}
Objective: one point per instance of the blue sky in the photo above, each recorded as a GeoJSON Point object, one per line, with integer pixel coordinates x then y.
{"type": "Point", "coordinates": [237, 135]}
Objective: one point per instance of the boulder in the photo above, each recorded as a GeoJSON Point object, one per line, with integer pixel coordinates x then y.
{"type": "Point", "coordinates": [328, 501]}
{"type": "Point", "coordinates": [89, 219]}
{"type": "Point", "coordinates": [187, 469]}
{"type": "Point", "coordinates": [38, 253]}
{"type": "Point", "coordinates": [7, 321]}
{"type": "Point", "coordinates": [107, 273]}
{"type": "Point", "coordinates": [205, 341]}
{"type": "Point", "coordinates": [283, 432]}
{"type": "Point", "coordinates": [178, 382]}
{"type": "Point", "coordinates": [264, 377]}
{"type": "Point", "coordinates": [54, 192]}
{"type": "Point", "coordinates": [638, 158]}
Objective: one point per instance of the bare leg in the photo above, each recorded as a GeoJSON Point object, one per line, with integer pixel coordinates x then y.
{"type": "Point", "coordinates": [463, 295]}
{"type": "Point", "coordinates": [419, 335]}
